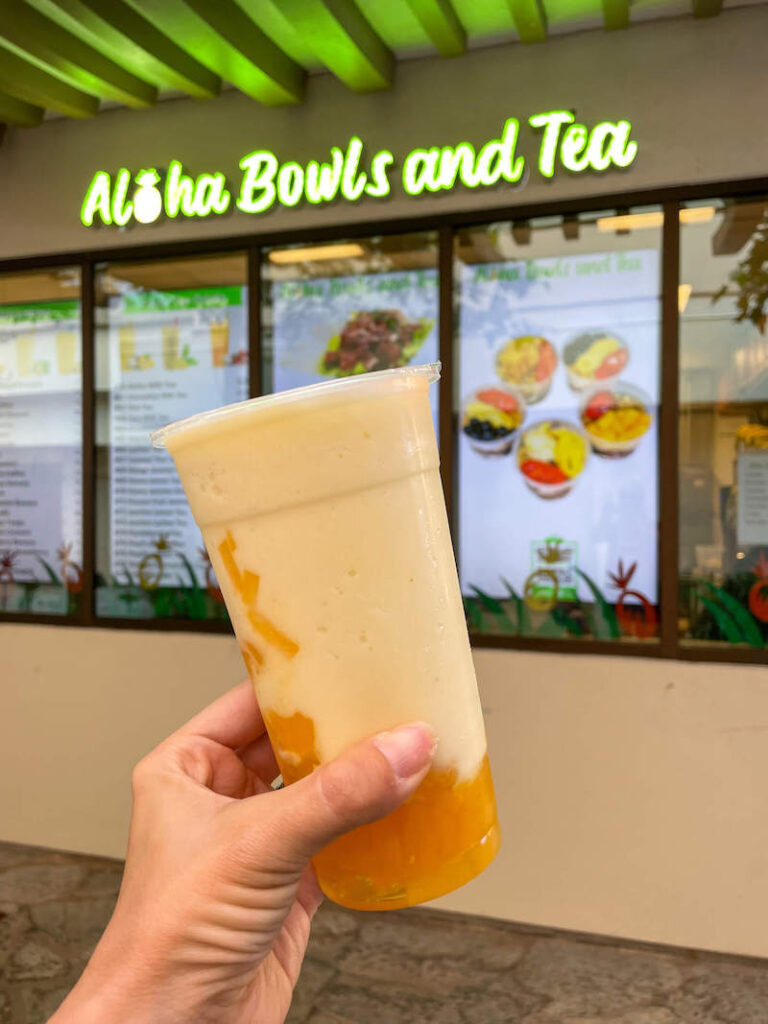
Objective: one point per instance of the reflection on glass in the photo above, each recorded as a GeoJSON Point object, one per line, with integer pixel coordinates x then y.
{"type": "Point", "coordinates": [339, 309]}
{"type": "Point", "coordinates": [40, 443]}
{"type": "Point", "coordinates": [723, 558]}
{"type": "Point", "coordinates": [171, 341]}
{"type": "Point", "coordinates": [557, 372]}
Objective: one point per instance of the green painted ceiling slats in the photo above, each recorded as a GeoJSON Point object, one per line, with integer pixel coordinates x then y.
{"type": "Point", "coordinates": [13, 111]}
{"type": "Point", "coordinates": [530, 20]}
{"type": "Point", "coordinates": [344, 41]}
{"type": "Point", "coordinates": [40, 41]}
{"type": "Point", "coordinates": [440, 22]}
{"type": "Point", "coordinates": [616, 14]}
{"type": "Point", "coordinates": [125, 36]}
{"type": "Point", "coordinates": [69, 55]}
{"type": "Point", "coordinates": [25, 81]}
{"type": "Point", "coordinates": [221, 36]}
{"type": "Point", "coordinates": [707, 8]}
{"type": "Point", "coordinates": [271, 18]}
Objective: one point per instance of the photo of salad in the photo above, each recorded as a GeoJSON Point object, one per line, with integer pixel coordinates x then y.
{"type": "Point", "coordinates": [551, 455]}
{"type": "Point", "coordinates": [527, 363]}
{"type": "Point", "coordinates": [616, 419]}
{"type": "Point", "coordinates": [491, 418]}
{"type": "Point", "coordinates": [377, 339]}
{"type": "Point", "coordinates": [594, 357]}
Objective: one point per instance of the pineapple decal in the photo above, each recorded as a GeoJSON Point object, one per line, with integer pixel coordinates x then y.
{"type": "Point", "coordinates": [758, 592]}
{"type": "Point", "coordinates": [71, 572]}
{"type": "Point", "coordinates": [147, 199]}
{"type": "Point", "coordinates": [637, 616]}
{"type": "Point", "coordinates": [151, 566]}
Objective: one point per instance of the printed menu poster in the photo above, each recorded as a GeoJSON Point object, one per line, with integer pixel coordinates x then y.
{"type": "Point", "coordinates": [171, 354]}
{"type": "Point", "coordinates": [335, 327]}
{"type": "Point", "coordinates": [40, 463]}
{"type": "Point", "coordinates": [559, 371]}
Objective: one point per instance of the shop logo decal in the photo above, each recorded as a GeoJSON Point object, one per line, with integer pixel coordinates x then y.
{"type": "Point", "coordinates": [351, 174]}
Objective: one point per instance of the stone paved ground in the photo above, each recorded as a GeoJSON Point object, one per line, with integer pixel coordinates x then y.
{"type": "Point", "coordinates": [409, 967]}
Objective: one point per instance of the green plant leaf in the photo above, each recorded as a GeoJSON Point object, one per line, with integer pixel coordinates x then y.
{"type": "Point", "coordinates": [609, 628]}
{"type": "Point", "coordinates": [190, 569]}
{"type": "Point", "coordinates": [50, 571]}
{"type": "Point", "coordinates": [523, 617]}
{"type": "Point", "coordinates": [474, 614]}
{"type": "Point", "coordinates": [496, 608]}
{"type": "Point", "coordinates": [725, 623]}
{"type": "Point", "coordinates": [128, 576]}
{"type": "Point", "coordinates": [561, 616]}
{"type": "Point", "coordinates": [551, 628]}
{"type": "Point", "coordinates": [743, 618]}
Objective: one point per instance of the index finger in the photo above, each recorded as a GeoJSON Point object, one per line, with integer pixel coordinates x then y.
{"type": "Point", "coordinates": [234, 719]}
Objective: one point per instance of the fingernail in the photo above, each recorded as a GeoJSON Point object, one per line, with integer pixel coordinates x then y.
{"type": "Point", "coordinates": [408, 748]}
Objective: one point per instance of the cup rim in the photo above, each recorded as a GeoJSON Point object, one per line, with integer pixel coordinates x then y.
{"type": "Point", "coordinates": [358, 383]}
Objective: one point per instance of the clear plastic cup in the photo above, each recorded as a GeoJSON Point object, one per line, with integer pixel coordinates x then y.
{"type": "Point", "coordinates": [323, 515]}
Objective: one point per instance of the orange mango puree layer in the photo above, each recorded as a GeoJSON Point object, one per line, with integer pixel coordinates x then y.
{"type": "Point", "coordinates": [441, 837]}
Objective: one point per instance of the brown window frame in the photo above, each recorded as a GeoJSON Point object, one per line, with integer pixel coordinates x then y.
{"type": "Point", "coordinates": [669, 645]}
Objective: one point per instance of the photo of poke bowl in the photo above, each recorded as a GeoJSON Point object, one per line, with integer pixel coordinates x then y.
{"type": "Point", "coordinates": [551, 456]}
{"type": "Point", "coordinates": [593, 358]}
{"type": "Point", "coordinates": [491, 418]}
{"type": "Point", "coordinates": [376, 339]}
{"type": "Point", "coordinates": [527, 363]}
{"type": "Point", "coordinates": [616, 418]}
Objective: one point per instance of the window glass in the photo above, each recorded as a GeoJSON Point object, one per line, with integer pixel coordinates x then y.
{"type": "Point", "coordinates": [40, 442]}
{"type": "Point", "coordinates": [557, 374]}
{"type": "Point", "coordinates": [723, 301]}
{"type": "Point", "coordinates": [171, 341]}
{"type": "Point", "coordinates": [340, 308]}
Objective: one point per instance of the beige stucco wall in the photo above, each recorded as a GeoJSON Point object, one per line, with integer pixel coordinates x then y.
{"type": "Point", "coordinates": [633, 794]}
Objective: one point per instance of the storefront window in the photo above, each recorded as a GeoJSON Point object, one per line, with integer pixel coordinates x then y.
{"type": "Point", "coordinates": [723, 478]}
{"type": "Point", "coordinates": [40, 443]}
{"type": "Point", "coordinates": [340, 308]}
{"type": "Point", "coordinates": [171, 341]}
{"type": "Point", "coordinates": [557, 389]}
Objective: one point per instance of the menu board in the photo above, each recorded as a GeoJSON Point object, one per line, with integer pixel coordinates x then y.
{"type": "Point", "coordinates": [752, 506]}
{"type": "Point", "coordinates": [558, 476]}
{"type": "Point", "coordinates": [333, 327]}
{"type": "Point", "coordinates": [40, 457]}
{"type": "Point", "coordinates": [171, 354]}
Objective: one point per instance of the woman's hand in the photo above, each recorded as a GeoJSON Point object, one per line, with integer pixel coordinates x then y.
{"type": "Point", "coordinates": [214, 911]}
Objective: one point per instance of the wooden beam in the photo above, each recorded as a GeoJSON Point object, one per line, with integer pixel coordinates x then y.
{"type": "Point", "coordinates": [440, 21]}
{"type": "Point", "coordinates": [46, 44]}
{"type": "Point", "coordinates": [221, 36]}
{"type": "Point", "coordinates": [125, 36]}
{"type": "Point", "coordinates": [344, 41]}
{"type": "Point", "coordinates": [26, 82]}
{"type": "Point", "coordinates": [13, 111]}
{"type": "Point", "coordinates": [707, 8]}
{"type": "Point", "coordinates": [530, 20]}
{"type": "Point", "coordinates": [615, 14]}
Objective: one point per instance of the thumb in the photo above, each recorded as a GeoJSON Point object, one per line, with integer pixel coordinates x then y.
{"type": "Point", "coordinates": [364, 783]}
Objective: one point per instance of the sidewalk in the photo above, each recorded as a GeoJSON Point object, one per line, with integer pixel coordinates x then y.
{"type": "Point", "coordinates": [405, 967]}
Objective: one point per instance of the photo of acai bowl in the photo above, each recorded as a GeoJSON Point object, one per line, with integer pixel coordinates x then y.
{"type": "Point", "coordinates": [594, 357]}
{"type": "Point", "coordinates": [527, 363]}
{"type": "Point", "coordinates": [616, 418]}
{"type": "Point", "coordinates": [551, 456]}
{"type": "Point", "coordinates": [491, 418]}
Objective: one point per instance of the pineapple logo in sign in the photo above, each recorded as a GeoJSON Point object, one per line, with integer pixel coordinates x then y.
{"type": "Point", "coordinates": [147, 199]}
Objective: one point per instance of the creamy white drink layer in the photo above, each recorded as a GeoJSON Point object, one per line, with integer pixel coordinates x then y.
{"type": "Point", "coordinates": [331, 496]}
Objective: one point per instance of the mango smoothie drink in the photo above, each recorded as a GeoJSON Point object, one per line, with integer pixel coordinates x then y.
{"type": "Point", "coordinates": [323, 514]}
